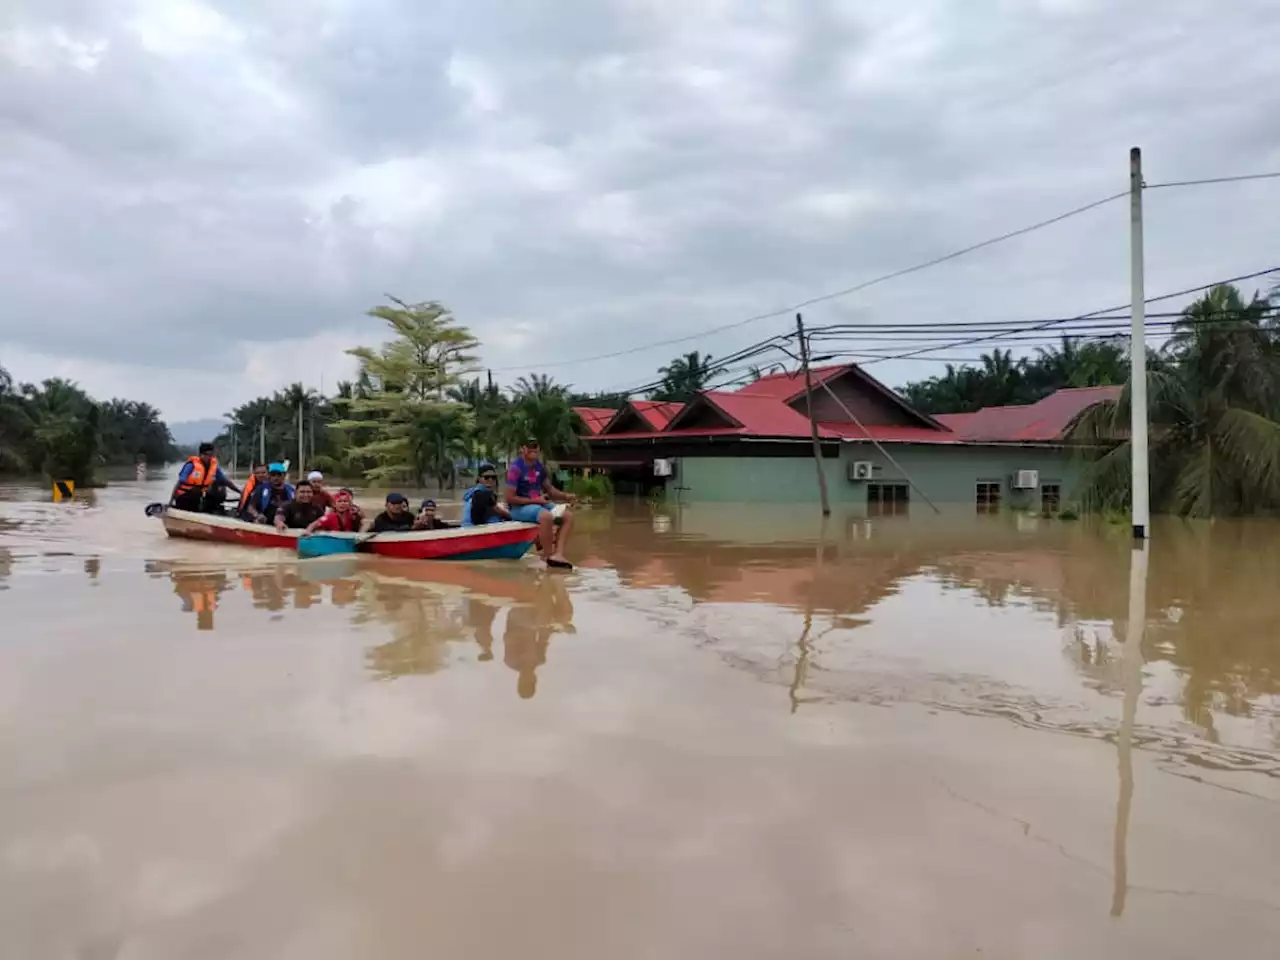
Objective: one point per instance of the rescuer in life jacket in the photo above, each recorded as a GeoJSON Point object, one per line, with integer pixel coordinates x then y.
{"type": "Point", "coordinates": [202, 486]}
{"type": "Point", "coordinates": [257, 480]}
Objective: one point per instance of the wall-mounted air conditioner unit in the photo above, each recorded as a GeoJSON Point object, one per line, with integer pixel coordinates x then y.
{"type": "Point", "coordinates": [664, 468]}
{"type": "Point", "coordinates": [860, 469]}
{"type": "Point", "coordinates": [1026, 479]}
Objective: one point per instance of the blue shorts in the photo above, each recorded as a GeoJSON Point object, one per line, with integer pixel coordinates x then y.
{"type": "Point", "coordinates": [528, 512]}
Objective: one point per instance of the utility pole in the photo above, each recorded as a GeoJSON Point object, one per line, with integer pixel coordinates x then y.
{"type": "Point", "coordinates": [813, 424]}
{"type": "Point", "coordinates": [234, 431]}
{"type": "Point", "coordinates": [1138, 356]}
{"type": "Point", "coordinates": [262, 440]}
{"type": "Point", "coordinates": [301, 438]}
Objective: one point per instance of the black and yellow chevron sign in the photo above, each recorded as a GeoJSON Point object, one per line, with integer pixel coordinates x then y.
{"type": "Point", "coordinates": [63, 490]}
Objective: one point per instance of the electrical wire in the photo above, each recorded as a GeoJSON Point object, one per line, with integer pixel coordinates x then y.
{"type": "Point", "coordinates": [783, 311]}
{"type": "Point", "coordinates": [1094, 313]}
{"type": "Point", "coordinates": [1273, 175]}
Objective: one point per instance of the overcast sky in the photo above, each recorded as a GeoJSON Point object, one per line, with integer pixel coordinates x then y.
{"type": "Point", "coordinates": [198, 202]}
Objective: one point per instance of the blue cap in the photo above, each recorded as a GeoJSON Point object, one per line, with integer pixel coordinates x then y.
{"type": "Point", "coordinates": [276, 468]}
{"type": "Point", "coordinates": [397, 498]}
{"type": "Point", "coordinates": [425, 504]}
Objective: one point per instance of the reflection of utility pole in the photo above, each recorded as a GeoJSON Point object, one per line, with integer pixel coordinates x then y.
{"type": "Point", "coordinates": [1131, 672]}
{"type": "Point", "coordinates": [805, 647]}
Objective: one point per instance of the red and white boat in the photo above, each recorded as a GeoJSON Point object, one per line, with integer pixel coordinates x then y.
{"type": "Point", "coordinates": [494, 541]}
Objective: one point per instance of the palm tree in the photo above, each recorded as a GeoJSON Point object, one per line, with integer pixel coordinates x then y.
{"type": "Point", "coordinates": [684, 377]}
{"type": "Point", "coordinates": [1213, 402]}
{"type": "Point", "coordinates": [539, 385]}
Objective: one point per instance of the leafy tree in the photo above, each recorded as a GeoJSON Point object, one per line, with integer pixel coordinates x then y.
{"type": "Point", "coordinates": [684, 376]}
{"type": "Point", "coordinates": [1213, 403]}
{"type": "Point", "coordinates": [548, 417]}
{"type": "Point", "coordinates": [1001, 380]}
{"type": "Point", "coordinates": [415, 429]}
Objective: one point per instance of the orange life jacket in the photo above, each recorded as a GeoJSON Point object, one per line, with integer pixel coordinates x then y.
{"type": "Point", "coordinates": [200, 478]}
{"type": "Point", "coordinates": [250, 485]}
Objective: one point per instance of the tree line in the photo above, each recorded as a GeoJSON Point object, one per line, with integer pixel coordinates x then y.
{"type": "Point", "coordinates": [57, 429]}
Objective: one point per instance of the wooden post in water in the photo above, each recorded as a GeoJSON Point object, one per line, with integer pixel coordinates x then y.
{"type": "Point", "coordinates": [813, 424]}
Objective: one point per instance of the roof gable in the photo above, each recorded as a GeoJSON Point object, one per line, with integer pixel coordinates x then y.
{"type": "Point", "coordinates": [642, 416]}
{"type": "Point", "coordinates": [787, 386]}
{"type": "Point", "coordinates": [702, 413]}
{"type": "Point", "coordinates": [594, 419]}
{"type": "Point", "coordinates": [759, 416]}
{"type": "Point", "coordinates": [866, 398]}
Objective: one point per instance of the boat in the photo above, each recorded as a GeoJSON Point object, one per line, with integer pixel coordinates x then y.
{"type": "Point", "coordinates": [494, 541]}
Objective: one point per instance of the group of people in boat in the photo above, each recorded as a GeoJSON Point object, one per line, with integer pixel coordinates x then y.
{"type": "Point", "coordinates": [268, 497]}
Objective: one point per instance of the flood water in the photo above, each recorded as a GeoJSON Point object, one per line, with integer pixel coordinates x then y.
{"type": "Point", "coordinates": [731, 732]}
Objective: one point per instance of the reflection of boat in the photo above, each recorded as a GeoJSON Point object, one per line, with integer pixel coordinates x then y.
{"type": "Point", "coordinates": [495, 541]}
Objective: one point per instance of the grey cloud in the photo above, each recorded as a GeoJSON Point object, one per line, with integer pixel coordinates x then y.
{"type": "Point", "coordinates": [608, 174]}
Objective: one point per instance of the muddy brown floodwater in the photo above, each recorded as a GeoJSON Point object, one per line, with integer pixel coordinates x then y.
{"type": "Point", "coordinates": [729, 733]}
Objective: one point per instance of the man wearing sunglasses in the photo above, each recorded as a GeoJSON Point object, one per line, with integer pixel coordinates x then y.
{"type": "Point", "coordinates": [480, 504]}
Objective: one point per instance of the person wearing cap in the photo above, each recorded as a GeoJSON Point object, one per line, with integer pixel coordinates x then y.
{"type": "Point", "coordinates": [529, 496]}
{"type": "Point", "coordinates": [319, 495]}
{"type": "Point", "coordinates": [395, 517]}
{"type": "Point", "coordinates": [200, 481]}
{"type": "Point", "coordinates": [480, 503]}
{"type": "Point", "coordinates": [277, 492]}
{"type": "Point", "coordinates": [427, 519]}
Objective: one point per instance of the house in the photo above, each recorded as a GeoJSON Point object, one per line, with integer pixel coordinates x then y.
{"type": "Point", "coordinates": [878, 453]}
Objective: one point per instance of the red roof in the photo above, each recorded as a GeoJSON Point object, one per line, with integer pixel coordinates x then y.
{"type": "Point", "coordinates": [1046, 420]}
{"type": "Point", "coordinates": [657, 413]}
{"type": "Point", "coordinates": [594, 418]}
{"type": "Point", "coordinates": [788, 386]}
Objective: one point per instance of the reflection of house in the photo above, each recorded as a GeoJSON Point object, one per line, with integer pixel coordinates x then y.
{"type": "Point", "coordinates": [755, 444]}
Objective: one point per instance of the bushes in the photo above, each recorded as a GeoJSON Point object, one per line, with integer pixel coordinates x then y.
{"type": "Point", "coordinates": [598, 487]}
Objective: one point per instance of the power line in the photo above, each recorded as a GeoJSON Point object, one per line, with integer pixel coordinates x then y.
{"type": "Point", "coordinates": [838, 329]}
{"type": "Point", "coordinates": [1095, 313]}
{"type": "Point", "coordinates": [1208, 180]}
{"type": "Point", "coordinates": [783, 311]}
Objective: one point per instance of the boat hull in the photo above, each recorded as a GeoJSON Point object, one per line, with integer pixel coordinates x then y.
{"type": "Point", "coordinates": [188, 525]}
{"type": "Point", "coordinates": [495, 541]}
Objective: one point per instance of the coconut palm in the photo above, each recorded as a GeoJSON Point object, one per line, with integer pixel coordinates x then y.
{"type": "Point", "coordinates": [1214, 437]}
{"type": "Point", "coordinates": [685, 376]}
{"type": "Point", "coordinates": [539, 385]}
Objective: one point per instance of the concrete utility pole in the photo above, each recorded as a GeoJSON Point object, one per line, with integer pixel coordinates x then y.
{"type": "Point", "coordinates": [813, 424]}
{"type": "Point", "coordinates": [1138, 356]}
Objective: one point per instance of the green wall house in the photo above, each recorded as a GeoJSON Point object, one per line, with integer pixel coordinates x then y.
{"type": "Point", "coordinates": [878, 453]}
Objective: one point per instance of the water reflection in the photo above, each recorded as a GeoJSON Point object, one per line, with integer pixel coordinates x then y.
{"type": "Point", "coordinates": [1210, 632]}
{"type": "Point", "coordinates": [425, 610]}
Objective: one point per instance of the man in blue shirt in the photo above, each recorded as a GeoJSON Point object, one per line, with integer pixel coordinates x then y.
{"type": "Point", "coordinates": [530, 494]}
{"type": "Point", "coordinates": [269, 498]}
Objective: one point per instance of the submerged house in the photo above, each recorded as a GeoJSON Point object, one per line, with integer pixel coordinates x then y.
{"type": "Point", "coordinates": [755, 445]}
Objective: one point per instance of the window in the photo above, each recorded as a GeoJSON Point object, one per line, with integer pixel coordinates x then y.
{"type": "Point", "coordinates": [1050, 497]}
{"type": "Point", "coordinates": [887, 499]}
{"type": "Point", "coordinates": [988, 496]}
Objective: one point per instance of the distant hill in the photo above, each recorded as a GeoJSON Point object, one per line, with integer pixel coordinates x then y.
{"type": "Point", "coordinates": [188, 433]}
